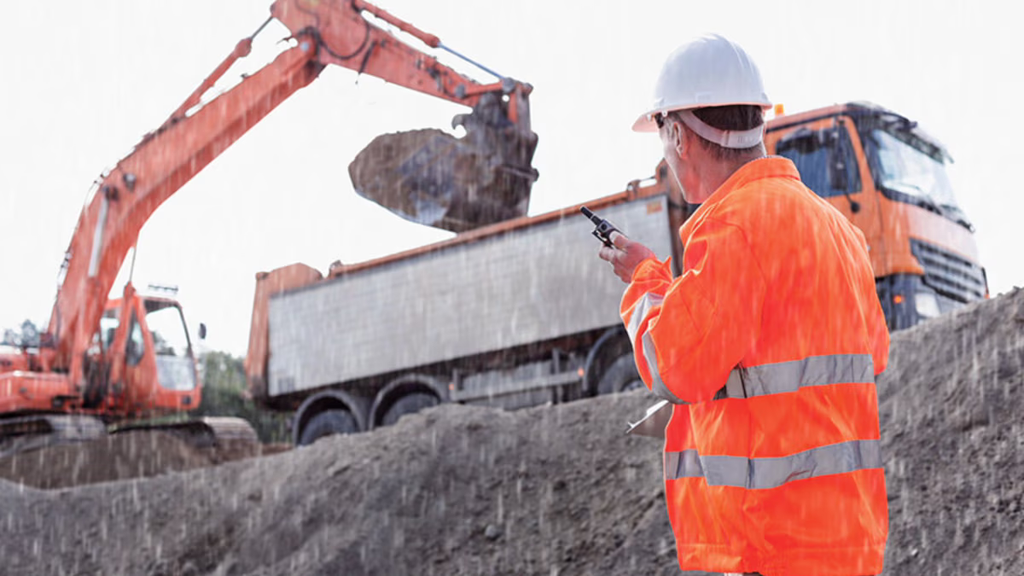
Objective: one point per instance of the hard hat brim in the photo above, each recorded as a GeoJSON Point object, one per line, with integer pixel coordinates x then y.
{"type": "Point", "coordinates": [645, 123]}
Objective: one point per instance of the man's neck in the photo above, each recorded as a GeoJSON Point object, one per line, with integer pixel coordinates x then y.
{"type": "Point", "coordinates": [715, 173]}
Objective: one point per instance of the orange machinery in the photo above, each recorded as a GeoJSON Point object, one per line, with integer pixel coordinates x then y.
{"type": "Point", "coordinates": [484, 325]}
{"type": "Point", "coordinates": [131, 357]}
{"type": "Point", "coordinates": [888, 176]}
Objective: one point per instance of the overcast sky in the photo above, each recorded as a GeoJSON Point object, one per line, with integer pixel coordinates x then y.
{"type": "Point", "coordinates": [84, 80]}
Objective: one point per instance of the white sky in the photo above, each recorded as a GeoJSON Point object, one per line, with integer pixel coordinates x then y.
{"type": "Point", "coordinates": [83, 81]}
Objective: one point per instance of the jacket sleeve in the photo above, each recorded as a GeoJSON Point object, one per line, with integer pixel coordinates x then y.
{"type": "Point", "coordinates": [689, 333]}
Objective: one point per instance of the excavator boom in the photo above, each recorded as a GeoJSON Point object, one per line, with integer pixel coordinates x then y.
{"type": "Point", "coordinates": [325, 32]}
{"type": "Point", "coordinates": [159, 166]}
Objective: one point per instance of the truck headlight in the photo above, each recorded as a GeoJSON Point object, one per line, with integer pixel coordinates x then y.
{"type": "Point", "coordinates": [927, 304]}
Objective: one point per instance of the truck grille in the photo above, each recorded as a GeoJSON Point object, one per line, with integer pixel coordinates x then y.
{"type": "Point", "coordinates": [949, 274]}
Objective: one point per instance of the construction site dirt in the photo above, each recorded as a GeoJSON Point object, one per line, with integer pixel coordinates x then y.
{"type": "Point", "coordinates": [560, 489]}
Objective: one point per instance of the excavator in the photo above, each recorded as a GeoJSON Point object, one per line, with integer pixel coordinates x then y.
{"type": "Point", "coordinates": [102, 365]}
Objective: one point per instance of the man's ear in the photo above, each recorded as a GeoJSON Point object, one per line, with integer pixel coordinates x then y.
{"type": "Point", "coordinates": [680, 142]}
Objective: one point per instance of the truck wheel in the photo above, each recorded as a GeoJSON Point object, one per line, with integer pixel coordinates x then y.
{"type": "Point", "coordinates": [621, 376]}
{"type": "Point", "coordinates": [326, 423]}
{"type": "Point", "coordinates": [408, 404]}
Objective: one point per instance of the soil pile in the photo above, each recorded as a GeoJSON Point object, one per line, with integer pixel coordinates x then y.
{"type": "Point", "coordinates": [951, 404]}
{"type": "Point", "coordinates": [452, 490]}
{"type": "Point", "coordinates": [459, 490]}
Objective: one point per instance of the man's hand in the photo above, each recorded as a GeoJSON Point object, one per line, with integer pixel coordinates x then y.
{"type": "Point", "coordinates": [625, 256]}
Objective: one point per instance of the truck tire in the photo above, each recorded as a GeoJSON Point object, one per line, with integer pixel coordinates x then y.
{"type": "Point", "coordinates": [326, 423]}
{"type": "Point", "coordinates": [621, 376]}
{"type": "Point", "coordinates": [408, 404]}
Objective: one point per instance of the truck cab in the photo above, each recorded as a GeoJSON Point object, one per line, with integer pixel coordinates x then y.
{"type": "Point", "coordinates": [889, 178]}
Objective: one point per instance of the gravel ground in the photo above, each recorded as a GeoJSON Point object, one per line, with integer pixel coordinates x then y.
{"type": "Point", "coordinates": [552, 490]}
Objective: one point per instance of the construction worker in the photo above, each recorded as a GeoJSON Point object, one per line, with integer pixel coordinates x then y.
{"type": "Point", "coordinates": [767, 345]}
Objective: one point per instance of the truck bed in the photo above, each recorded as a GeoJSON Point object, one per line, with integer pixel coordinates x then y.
{"type": "Point", "coordinates": [530, 283]}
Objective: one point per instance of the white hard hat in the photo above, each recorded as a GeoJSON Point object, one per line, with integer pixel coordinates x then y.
{"type": "Point", "coordinates": [708, 71]}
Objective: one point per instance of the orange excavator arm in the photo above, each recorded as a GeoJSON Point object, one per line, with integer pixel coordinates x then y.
{"type": "Point", "coordinates": [345, 38]}
{"type": "Point", "coordinates": [323, 32]}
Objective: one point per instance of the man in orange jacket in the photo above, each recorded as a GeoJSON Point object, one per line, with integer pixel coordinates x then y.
{"type": "Point", "coordinates": [767, 345]}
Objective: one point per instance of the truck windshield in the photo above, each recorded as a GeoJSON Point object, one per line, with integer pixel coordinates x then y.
{"type": "Point", "coordinates": [174, 363]}
{"type": "Point", "coordinates": [909, 169]}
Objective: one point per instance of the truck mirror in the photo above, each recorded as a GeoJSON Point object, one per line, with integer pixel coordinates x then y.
{"type": "Point", "coordinates": [838, 174]}
{"type": "Point", "coordinates": [202, 331]}
{"type": "Point", "coordinates": [838, 178]}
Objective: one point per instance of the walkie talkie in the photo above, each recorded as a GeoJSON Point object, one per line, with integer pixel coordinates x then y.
{"type": "Point", "coordinates": [603, 229]}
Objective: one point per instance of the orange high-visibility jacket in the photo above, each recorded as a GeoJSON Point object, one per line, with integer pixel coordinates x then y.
{"type": "Point", "coordinates": [768, 345]}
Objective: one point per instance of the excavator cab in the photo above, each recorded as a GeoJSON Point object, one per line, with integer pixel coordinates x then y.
{"type": "Point", "coordinates": [142, 358]}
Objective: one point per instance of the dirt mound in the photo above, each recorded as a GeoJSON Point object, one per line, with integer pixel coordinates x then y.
{"type": "Point", "coordinates": [453, 490]}
{"type": "Point", "coordinates": [459, 490]}
{"type": "Point", "coordinates": [136, 454]}
{"type": "Point", "coordinates": [951, 404]}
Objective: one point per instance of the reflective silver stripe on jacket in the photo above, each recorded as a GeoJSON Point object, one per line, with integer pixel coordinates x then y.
{"type": "Point", "coordinates": [764, 473]}
{"type": "Point", "coordinates": [790, 376]}
{"type": "Point", "coordinates": [640, 311]}
{"type": "Point", "coordinates": [657, 385]}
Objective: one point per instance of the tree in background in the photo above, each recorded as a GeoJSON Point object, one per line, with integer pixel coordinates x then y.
{"type": "Point", "coordinates": [27, 337]}
{"type": "Point", "coordinates": [224, 394]}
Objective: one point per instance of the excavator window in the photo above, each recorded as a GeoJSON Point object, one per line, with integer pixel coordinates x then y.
{"type": "Point", "coordinates": [108, 326]}
{"type": "Point", "coordinates": [135, 347]}
{"type": "Point", "coordinates": [174, 363]}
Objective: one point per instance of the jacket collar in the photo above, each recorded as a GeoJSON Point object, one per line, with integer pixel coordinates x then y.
{"type": "Point", "coordinates": [767, 167]}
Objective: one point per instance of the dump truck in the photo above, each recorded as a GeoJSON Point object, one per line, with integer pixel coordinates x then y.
{"type": "Point", "coordinates": [888, 176]}
{"type": "Point", "coordinates": [523, 312]}
{"type": "Point", "coordinates": [120, 361]}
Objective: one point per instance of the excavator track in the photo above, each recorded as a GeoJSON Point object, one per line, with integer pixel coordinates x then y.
{"type": "Point", "coordinates": [203, 432]}
{"type": "Point", "coordinates": [33, 432]}
{"type": "Point", "coordinates": [26, 433]}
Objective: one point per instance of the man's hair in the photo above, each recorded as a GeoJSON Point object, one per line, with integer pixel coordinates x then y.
{"type": "Point", "coordinates": [733, 117]}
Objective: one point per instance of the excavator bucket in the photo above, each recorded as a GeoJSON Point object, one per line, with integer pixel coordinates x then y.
{"type": "Point", "coordinates": [457, 184]}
